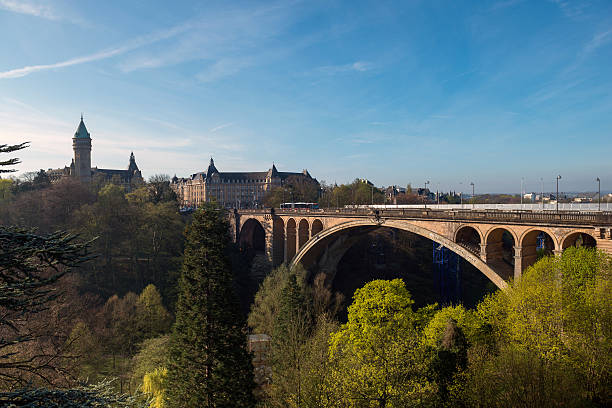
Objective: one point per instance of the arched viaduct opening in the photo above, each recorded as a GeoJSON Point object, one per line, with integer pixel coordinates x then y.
{"type": "Point", "coordinates": [361, 239]}
{"type": "Point", "coordinates": [578, 239]}
{"type": "Point", "coordinates": [469, 238]}
{"type": "Point", "coordinates": [303, 233]}
{"type": "Point", "coordinates": [291, 239]}
{"type": "Point", "coordinates": [252, 236]}
{"type": "Point", "coordinates": [536, 244]}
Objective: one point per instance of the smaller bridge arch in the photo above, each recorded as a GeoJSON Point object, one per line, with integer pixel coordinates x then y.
{"type": "Point", "coordinates": [278, 242]}
{"type": "Point", "coordinates": [469, 237]}
{"type": "Point", "coordinates": [536, 242]}
{"type": "Point", "coordinates": [317, 226]}
{"type": "Point", "coordinates": [252, 236]}
{"type": "Point", "coordinates": [578, 239]}
{"type": "Point", "coordinates": [291, 239]}
{"type": "Point", "coordinates": [303, 233]}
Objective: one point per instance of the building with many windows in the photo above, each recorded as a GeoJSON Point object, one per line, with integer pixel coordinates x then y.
{"type": "Point", "coordinates": [230, 189]}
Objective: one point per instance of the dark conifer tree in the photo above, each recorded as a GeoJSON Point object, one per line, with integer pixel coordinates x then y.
{"type": "Point", "coordinates": [209, 365]}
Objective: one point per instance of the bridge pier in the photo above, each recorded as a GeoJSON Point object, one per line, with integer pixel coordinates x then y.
{"type": "Point", "coordinates": [518, 263]}
{"type": "Point", "coordinates": [483, 252]}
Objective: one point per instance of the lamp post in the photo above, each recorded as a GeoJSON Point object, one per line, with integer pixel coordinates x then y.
{"type": "Point", "coordinates": [372, 194]}
{"type": "Point", "coordinates": [473, 194]}
{"type": "Point", "coordinates": [542, 196]}
{"type": "Point", "coordinates": [598, 194]}
{"type": "Point", "coordinates": [425, 192]}
{"type": "Point", "coordinates": [558, 178]}
{"type": "Point", "coordinates": [522, 181]}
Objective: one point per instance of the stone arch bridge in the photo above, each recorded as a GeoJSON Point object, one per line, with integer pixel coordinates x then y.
{"type": "Point", "coordinates": [501, 244]}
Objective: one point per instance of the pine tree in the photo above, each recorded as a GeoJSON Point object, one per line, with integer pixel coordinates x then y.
{"type": "Point", "coordinates": [208, 365]}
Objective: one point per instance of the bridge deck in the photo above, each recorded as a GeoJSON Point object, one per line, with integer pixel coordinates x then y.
{"type": "Point", "coordinates": [570, 218]}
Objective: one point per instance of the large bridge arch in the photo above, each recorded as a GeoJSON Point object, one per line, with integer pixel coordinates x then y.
{"type": "Point", "coordinates": [317, 245]}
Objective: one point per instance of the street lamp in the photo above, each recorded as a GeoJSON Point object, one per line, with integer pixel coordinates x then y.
{"type": "Point", "coordinates": [372, 194]}
{"type": "Point", "coordinates": [425, 192]}
{"type": "Point", "coordinates": [558, 178]}
{"type": "Point", "coordinates": [522, 181]}
{"type": "Point", "coordinates": [542, 196]}
{"type": "Point", "coordinates": [472, 184]}
{"type": "Point", "coordinates": [598, 194]}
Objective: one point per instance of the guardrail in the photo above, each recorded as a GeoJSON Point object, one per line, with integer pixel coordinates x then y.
{"type": "Point", "coordinates": [561, 217]}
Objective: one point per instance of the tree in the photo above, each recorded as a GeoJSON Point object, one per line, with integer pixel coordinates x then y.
{"type": "Point", "coordinates": [552, 333]}
{"type": "Point", "coordinates": [153, 354]}
{"type": "Point", "coordinates": [153, 318]}
{"type": "Point", "coordinates": [208, 364]}
{"type": "Point", "coordinates": [376, 359]}
{"type": "Point", "coordinates": [154, 384]}
{"type": "Point", "coordinates": [267, 303]}
{"type": "Point", "coordinates": [292, 326]}
{"type": "Point", "coordinates": [30, 267]}
{"type": "Point", "coordinates": [4, 148]}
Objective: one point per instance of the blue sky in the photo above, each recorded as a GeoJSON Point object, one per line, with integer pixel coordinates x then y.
{"type": "Point", "coordinates": [397, 92]}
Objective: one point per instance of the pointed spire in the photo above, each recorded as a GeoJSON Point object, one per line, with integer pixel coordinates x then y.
{"type": "Point", "coordinates": [133, 166]}
{"type": "Point", "coordinates": [82, 130]}
{"type": "Point", "coordinates": [211, 168]}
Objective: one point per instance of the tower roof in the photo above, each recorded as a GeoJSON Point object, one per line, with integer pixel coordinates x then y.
{"type": "Point", "coordinates": [132, 167]}
{"type": "Point", "coordinates": [211, 168]}
{"type": "Point", "coordinates": [82, 130]}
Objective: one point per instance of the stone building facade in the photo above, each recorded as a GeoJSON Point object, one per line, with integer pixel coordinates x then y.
{"type": "Point", "coordinates": [230, 189]}
{"type": "Point", "coordinates": [81, 165]}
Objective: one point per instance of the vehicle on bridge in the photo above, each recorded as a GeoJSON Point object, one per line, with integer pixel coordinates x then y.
{"type": "Point", "coordinates": [310, 206]}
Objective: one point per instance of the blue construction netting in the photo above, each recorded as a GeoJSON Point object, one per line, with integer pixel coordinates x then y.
{"type": "Point", "coordinates": [447, 275]}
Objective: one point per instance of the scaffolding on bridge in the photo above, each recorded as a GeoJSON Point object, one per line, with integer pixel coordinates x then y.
{"type": "Point", "coordinates": [447, 275]}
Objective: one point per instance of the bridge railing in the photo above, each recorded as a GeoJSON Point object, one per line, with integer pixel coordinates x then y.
{"type": "Point", "coordinates": [563, 217]}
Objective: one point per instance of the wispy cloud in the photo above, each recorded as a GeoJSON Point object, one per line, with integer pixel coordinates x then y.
{"type": "Point", "coordinates": [108, 53]}
{"type": "Point", "coordinates": [28, 8]}
{"type": "Point", "coordinates": [598, 40]}
{"type": "Point", "coordinates": [222, 68]}
{"type": "Point", "coordinates": [42, 9]}
{"type": "Point", "coordinates": [357, 66]}
{"type": "Point", "coordinates": [223, 42]}
{"type": "Point", "coordinates": [572, 8]}
{"type": "Point", "coordinates": [223, 126]}
{"type": "Point", "coordinates": [505, 4]}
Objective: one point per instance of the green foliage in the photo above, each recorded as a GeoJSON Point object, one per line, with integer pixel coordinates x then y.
{"type": "Point", "coordinates": [85, 347]}
{"type": "Point", "coordinates": [464, 318]}
{"type": "Point", "coordinates": [376, 357]}
{"type": "Point", "coordinates": [553, 327]}
{"type": "Point", "coordinates": [208, 363]}
{"type": "Point", "coordinates": [267, 302]}
{"type": "Point", "coordinates": [356, 193]}
{"type": "Point", "coordinates": [153, 353]}
{"type": "Point", "coordinates": [154, 384]}
{"type": "Point", "coordinates": [153, 318]}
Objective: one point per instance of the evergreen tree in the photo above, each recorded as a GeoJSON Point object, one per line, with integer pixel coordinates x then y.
{"type": "Point", "coordinates": [208, 365]}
